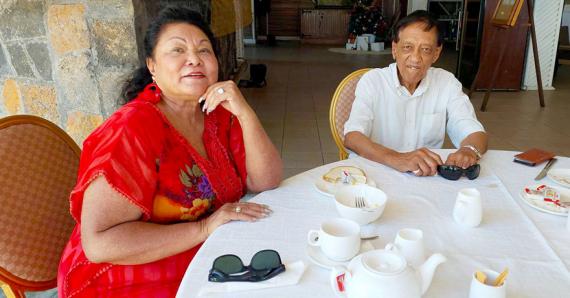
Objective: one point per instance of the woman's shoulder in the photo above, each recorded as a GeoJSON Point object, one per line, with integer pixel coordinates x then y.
{"type": "Point", "coordinates": [134, 119]}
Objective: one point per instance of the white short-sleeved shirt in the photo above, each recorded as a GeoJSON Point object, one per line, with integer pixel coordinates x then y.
{"type": "Point", "coordinates": [389, 115]}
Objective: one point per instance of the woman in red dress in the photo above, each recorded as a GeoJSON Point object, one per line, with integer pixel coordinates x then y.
{"type": "Point", "coordinates": [162, 173]}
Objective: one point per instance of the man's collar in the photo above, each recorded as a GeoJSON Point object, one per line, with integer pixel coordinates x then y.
{"type": "Point", "coordinates": [403, 91]}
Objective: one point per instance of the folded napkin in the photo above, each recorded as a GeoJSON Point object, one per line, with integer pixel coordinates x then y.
{"type": "Point", "coordinates": [291, 276]}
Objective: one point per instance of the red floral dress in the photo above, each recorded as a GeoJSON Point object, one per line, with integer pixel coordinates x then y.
{"type": "Point", "coordinates": [146, 160]}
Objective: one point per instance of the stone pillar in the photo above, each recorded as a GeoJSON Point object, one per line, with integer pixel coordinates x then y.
{"type": "Point", "coordinates": [65, 60]}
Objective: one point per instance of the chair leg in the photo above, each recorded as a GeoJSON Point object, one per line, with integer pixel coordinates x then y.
{"type": "Point", "coordinates": [11, 292]}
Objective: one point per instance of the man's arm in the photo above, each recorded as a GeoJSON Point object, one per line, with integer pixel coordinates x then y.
{"type": "Point", "coordinates": [466, 156]}
{"type": "Point", "coordinates": [422, 162]}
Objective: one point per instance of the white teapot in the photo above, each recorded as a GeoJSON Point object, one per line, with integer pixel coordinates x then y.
{"type": "Point", "coordinates": [383, 273]}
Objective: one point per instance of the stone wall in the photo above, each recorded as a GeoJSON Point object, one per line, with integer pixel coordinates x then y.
{"type": "Point", "coordinates": [64, 60]}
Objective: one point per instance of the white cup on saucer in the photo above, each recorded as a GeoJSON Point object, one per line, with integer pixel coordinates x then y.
{"type": "Point", "coordinates": [468, 210]}
{"type": "Point", "coordinates": [338, 238]}
{"type": "Point", "coordinates": [410, 243]}
{"type": "Point", "coordinates": [487, 289]}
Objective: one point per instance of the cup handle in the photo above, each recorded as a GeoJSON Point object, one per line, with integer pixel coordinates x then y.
{"type": "Point", "coordinates": [313, 237]}
{"type": "Point", "coordinates": [339, 276]}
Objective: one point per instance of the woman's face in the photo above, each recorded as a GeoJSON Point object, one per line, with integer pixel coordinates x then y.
{"type": "Point", "coordinates": [184, 63]}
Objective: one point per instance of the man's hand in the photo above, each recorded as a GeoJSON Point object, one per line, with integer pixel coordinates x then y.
{"type": "Point", "coordinates": [463, 157]}
{"type": "Point", "coordinates": [421, 162]}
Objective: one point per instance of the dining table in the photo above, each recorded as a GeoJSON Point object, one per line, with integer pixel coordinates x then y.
{"type": "Point", "coordinates": [533, 245]}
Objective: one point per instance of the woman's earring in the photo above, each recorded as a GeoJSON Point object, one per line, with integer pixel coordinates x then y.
{"type": "Point", "coordinates": [153, 79]}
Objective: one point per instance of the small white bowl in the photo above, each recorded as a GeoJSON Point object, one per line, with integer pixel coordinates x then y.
{"type": "Point", "coordinates": [345, 200]}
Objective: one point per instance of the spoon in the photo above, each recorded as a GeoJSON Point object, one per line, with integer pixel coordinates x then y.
{"type": "Point", "coordinates": [481, 277]}
{"type": "Point", "coordinates": [501, 278]}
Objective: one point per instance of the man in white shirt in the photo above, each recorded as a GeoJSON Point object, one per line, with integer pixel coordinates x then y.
{"type": "Point", "coordinates": [403, 109]}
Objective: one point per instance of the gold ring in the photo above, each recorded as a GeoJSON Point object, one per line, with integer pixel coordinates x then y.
{"type": "Point", "coordinates": [238, 209]}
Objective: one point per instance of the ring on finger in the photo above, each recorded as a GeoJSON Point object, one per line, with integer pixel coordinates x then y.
{"type": "Point", "coordinates": [220, 90]}
{"type": "Point", "coordinates": [238, 209]}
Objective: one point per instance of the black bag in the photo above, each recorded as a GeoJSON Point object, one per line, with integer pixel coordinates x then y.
{"type": "Point", "coordinates": [257, 77]}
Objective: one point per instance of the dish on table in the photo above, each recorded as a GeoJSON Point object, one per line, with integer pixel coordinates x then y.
{"type": "Point", "coordinates": [317, 256]}
{"type": "Point", "coordinates": [555, 201]}
{"type": "Point", "coordinates": [341, 176]}
{"type": "Point", "coordinates": [560, 176]}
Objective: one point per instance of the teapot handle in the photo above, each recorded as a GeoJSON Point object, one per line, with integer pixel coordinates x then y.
{"type": "Point", "coordinates": [339, 276]}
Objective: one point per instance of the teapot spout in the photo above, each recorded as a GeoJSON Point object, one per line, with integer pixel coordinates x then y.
{"type": "Point", "coordinates": [427, 270]}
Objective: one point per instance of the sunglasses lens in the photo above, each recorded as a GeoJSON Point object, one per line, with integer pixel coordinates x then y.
{"type": "Point", "coordinates": [449, 172]}
{"type": "Point", "coordinates": [265, 259]}
{"type": "Point", "coordinates": [472, 172]}
{"type": "Point", "coordinates": [228, 264]}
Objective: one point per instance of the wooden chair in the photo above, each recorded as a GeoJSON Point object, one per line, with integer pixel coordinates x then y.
{"type": "Point", "coordinates": [38, 169]}
{"type": "Point", "coordinates": [341, 105]}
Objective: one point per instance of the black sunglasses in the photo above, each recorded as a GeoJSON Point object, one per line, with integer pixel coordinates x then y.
{"type": "Point", "coordinates": [265, 264]}
{"type": "Point", "coordinates": [455, 172]}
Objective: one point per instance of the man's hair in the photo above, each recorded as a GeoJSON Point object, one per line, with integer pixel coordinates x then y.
{"type": "Point", "coordinates": [418, 16]}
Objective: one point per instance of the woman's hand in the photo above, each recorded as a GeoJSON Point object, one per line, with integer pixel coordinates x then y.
{"type": "Point", "coordinates": [228, 95]}
{"type": "Point", "coordinates": [236, 211]}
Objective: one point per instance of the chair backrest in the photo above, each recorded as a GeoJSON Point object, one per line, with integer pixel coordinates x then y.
{"type": "Point", "coordinates": [38, 169]}
{"type": "Point", "coordinates": [564, 38]}
{"type": "Point", "coordinates": [341, 105]}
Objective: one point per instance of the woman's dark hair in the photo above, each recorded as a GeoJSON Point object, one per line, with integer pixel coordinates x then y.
{"type": "Point", "coordinates": [418, 16]}
{"type": "Point", "coordinates": [141, 76]}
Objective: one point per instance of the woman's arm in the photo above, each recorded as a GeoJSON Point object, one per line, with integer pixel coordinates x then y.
{"type": "Point", "coordinates": [112, 230]}
{"type": "Point", "coordinates": [263, 162]}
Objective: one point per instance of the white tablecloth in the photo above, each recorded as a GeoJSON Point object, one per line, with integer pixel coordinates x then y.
{"type": "Point", "coordinates": [534, 246]}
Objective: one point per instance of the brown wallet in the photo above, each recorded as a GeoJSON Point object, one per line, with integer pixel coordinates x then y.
{"type": "Point", "coordinates": [533, 157]}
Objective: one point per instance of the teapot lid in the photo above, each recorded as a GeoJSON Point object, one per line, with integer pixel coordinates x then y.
{"type": "Point", "coordinates": [384, 262]}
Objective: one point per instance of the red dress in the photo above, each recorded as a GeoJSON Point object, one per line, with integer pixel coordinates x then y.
{"type": "Point", "coordinates": [146, 160]}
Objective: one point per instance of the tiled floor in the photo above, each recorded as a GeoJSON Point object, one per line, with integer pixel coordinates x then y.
{"type": "Point", "coordinates": [294, 106]}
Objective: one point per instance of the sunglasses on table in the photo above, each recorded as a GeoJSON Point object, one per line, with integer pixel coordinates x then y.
{"type": "Point", "coordinates": [454, 172]}
{"type": "Point", "coordinates": [265, 264]}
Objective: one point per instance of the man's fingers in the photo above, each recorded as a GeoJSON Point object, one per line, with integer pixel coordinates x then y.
{"type": "Point", "coordinates": [433, 156]}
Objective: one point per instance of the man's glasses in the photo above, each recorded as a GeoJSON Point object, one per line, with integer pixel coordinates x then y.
{"type": "Point", "coordinates": [265, 264]}
{"type": "Point", "coordinates": [455, 172]}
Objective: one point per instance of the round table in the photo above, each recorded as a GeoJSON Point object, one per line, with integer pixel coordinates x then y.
{"type": "Point", "coordinates": [535, 246]}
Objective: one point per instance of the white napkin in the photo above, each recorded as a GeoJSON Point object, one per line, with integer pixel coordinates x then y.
{"type": "Point", "coordinates": [291, 276]}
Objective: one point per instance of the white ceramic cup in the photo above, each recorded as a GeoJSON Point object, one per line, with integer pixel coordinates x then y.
{"type": "Point", "coordinates": [468, 210]}
{"type": "Point", "coordinates": [338, 238]}
{"type": "Point", "coordinates": [568, 222]}
{"type": "Point", "coordinates": [410, 243]}
{"type": "Point", "coordinates": [487, 290]}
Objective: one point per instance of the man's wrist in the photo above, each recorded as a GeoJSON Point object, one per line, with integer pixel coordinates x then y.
{"type": "Point", "coordinates": [474, 149]}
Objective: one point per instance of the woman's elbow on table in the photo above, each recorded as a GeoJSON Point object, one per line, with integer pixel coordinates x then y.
{"type": "Point", "coordinates": [94, 250]}
{"type": "Point", "coordinates": [266, 182]}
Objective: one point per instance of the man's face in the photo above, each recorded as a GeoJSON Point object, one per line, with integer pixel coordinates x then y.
{"type": "Point", "coordinates": [414, 53]}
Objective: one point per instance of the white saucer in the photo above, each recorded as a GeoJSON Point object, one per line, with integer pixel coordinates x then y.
{"type": "Point", "coordinates": [319, 258]}
{"type": "Point", "coordinates": [560, 176]}
{"type": "Point", "coordinates": [545, 206]}
{"type": "Point", "coordinates": [329, 189]}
